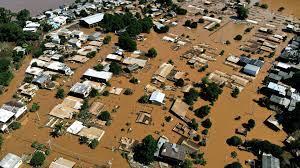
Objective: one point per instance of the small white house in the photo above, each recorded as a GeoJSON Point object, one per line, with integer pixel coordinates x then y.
{"type": "Point", "coordinates": [157, 97]}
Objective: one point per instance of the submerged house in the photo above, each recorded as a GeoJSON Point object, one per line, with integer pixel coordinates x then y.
{"type": "Point", "coordinates": [99, 76]}
{"type": "Point", "coordinates": [172, 153]}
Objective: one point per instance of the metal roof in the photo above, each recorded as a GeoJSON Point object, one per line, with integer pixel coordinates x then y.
{"type": "Point", "coordinates": [93, 18]}
{"type": "Point", "coordinates": [269, 161]}
{"type": "Point", "coordinates": [10, 161]}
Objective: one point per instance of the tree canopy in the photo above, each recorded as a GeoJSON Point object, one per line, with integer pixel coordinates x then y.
{"type": "Point", "coordinates": [242, 12]}
{"type": "Point", "coordinates": [127, 43]}
{"type": "Point", "coordinates": [37, 159]}
{"type": "Point", "coordinates": [115, 68]}
{"type": "Point", "coordinates": [144, 152]}
{"type": "Point", "coordinates": [211, 92]}
{"type": "Point", "coordinates": [202, 111]}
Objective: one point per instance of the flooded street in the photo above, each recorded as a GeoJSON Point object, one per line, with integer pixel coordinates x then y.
{"type": "Point", "coordinates": [292, 7]}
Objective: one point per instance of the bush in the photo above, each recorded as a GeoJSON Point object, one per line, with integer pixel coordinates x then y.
{"type": "Point", "coordinates": [205, 132]}
{"type": "Point", "coordinates": [34, 107]}
{"type": "Point", "coordinates": [251, 124]}
{"type": "Point", "coordinates": [94, 143]}
{"type": "Point", "coordinates": [238, 37]}
{"type": "Point", "coordinates": [164, 29]}
{"type": "Point", "coordinates": [187, 23]}
{"type": "Point", "coordinates": [234, 141]}
{"type": "Point", "coordinates": [98, 67]}
{"type": "Point", "coordinates": [83, 140]}
{"type": "Point", "coordinates": [264, 6]}
{"type": "Point", "coordinates": [6, 77]}
{"type": "Point", "coordinates": [196, 138]}
{"type": "Point", "coordinates": [247, 30]}
{"type": "Point", "coordinates": [152, 53]}
{"type": "Point", "coordinates": [28, 79]}
{"type": "Point", "coordinates": [180, 11]}
{"type": "Point", "coordinates": [15, 125]}
{"type": "Point", "coordinates": [37, 159]}
{"type": "Point", "coordinates": [168, 118]}
{"type": "Point", "coordinates": [128, 91]}
{"type": "Point", "coordinates": [233, 154]}
{"type": "Point", "coordinates": [60, 94]}
{"type": "Point", "coordinates": [107, 39]}
{"type": "Point", "coordinates": [222, 52]}
{"type": "Point", "coordinates": [206, 123]}
{"type": "Point", "coordinates": [134, 80]}
{"type": "Point", "coordinates": [179, 83]}
{"type": "Point", "coordinates": [104, 116]}
{"type": "Point", "coordinates": [105, 93]}
{"type": "Point", "coordinates": [194, 25]}
{"type": "Point", "coordinates": [202, 111]}
{"type": "Point", "coordinates": [193, 124]}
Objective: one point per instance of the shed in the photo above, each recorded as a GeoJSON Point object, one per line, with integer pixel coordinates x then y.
{"type": "Point", "coordinates": [11, 161]}
{"type": "Point", "coordinates": [62, 163]}
{"type": "Point", "coordinates": [251, 69]}
{"type": "Point", "coordinates": [75, 128]}
{"type": "Point", "coordinates": [157, 97]}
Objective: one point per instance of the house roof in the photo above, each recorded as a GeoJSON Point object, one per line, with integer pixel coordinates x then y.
{"type": "Point", "coordinates": [157, 96]}
{"type": "Point", "coordinates": [173, 151]}
{"type": "Point", "coordinates": [164, 70]}
{"type": "Point", "coordinates": [96, 108]}
{"type": "Point", "coordinates": [10, 160]}
{"type": "Point", "coordinates": [93, 18]}
{"type": "Point", "coordinates": [5, 115]}
{"type": "Point", "coordinates": [131, 61]}
{"type": "Point", "coordinates": [98, 74]}
{"type": "Point", "coordinates": [160, 142]}
{"type": "Point", "coordinates": [269, 161]}
{"type": "Point", "coordinates": [62, 163]}
{"type": "Point", "coordinates": [180, 108]}
{"type": "Point", "coordinates": [114, 57]}
{"type": "Point", "coordinates": [76, 127]}
{"type": "Point", "coordinates": [61, 111]}
{"type": "Point", "coordinates": [72, 102]}
{"type": "Point", "coordinates": [279, 88]}
{"type": "Point", "coordinates": [92, 133]}
{"type": "Point", "coordinates": [80, 88]}
{"type": "Point", "coordinates": [280, 100]}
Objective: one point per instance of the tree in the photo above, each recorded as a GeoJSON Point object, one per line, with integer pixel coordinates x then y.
{"type": "Point", "coordinates": [128, 91]}
{"type": "Point", "coordinates": [179, 83]}
{"type": "Point", "coordinates": [98, 67]}
{"type": "Point", "coordinates": [202, 111]}
{"type": "Point", "coordinates": [234, 165]}
{"type": "Point", "coordinates": [257, 146]}
{"type": "Point", "coordinates": [234, 141]}
{"type": "Point", "coordinates": [187, 164]}
{"type": "Point", "coordinates": [180, 11]}
{"type": "Point", "coordinates": [34, 107]}
{"type": "Point", "coordinates": [193, 124]}
{"type": "Point", "coordinates": [144, 99]}
{"type": "Point", "coordinates": [104, 116]}
{"type": "Point", "coordinates": [15, 125]}
{"type": "Point", "coordinates": [206, 123]}
{"type": "Point", "coordinates": [134, 80]}
{"type": "Point", "coordinates": [251, 124]}
{"type": "Point", "coordinates": [152, 53]}
{"type": "Point", "coordinates": [94, 143]}
{"type": "Point", "coordinates": [107, 39]}
{"type": "Point", "coordinates": [163, 29]}
{"type": "Point", "coordinates": [37, 159]}
{"type": "Point", "coordinates": [211, 92]}
{"type": "Point", "coordinates": [238, 37]}
{"type": "Point", "coordinates": [264, 6]}
{"type": "Point", "coordinates": [37, 52]}
{"type": "Point", "coordinates": [201, 20]}
{"type": "Point", "coordinates": [144, 152]}
{"type": "Point", "coordinates": [5, 15]}
{"type": "Point", "coordinates": [126, 43]}
{"type": "Point", "coordinates": [191, 96]}
{"type": "Point", "coordinates": [58, 130]}
{"type": "Point", "coordinates": [91, 54]}
{"type": "Point", "coordinates": [94, 92]}
{"type": "Point", "coordinates": [233, 154]}
{"type": "Point", "coordinates": [194, 25]}
{"type": "Point", "coordinates": [83, 140]}
{"type": "Point", "coordinates": [146, 24]}
{"type": "Point", "coordinates": [23, 16]}
{"type": "Point", "coordinates": [115, 68]}
{"type": "Point", "coordinates": [187, 23]}
{"type": "Point", "coordinates": [242, 12]}
{"type": "Point", "coordinates": [235, 92]}
{"type": "Point", "coordinates": [60, 94]}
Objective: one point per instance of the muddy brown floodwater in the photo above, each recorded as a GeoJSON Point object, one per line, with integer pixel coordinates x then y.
{"type": "Point", "coordinates": [292, 7]}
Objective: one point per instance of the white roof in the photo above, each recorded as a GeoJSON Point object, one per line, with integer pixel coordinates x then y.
{"type": "Point", "coordinates": [76, 127]}
{"type": "Point", "coordinates": [114, 57]}
{"type": "Point", "coordinates": [283, 65]}
{"type": "Point", "coordinates": [274, 86]}
{"type": "Point", "coordinates": [131, 60]}
{"type": "Point", "coordinates": [157, 96]}
{"type": "Point", "coordinates": [5, 115]}
{"type": "Point", "coordinates": [93, 18]}
{"type": "Point", "coordinates": [34, 70]}
{"type": "Point", "coordinates": [98, 74]}
{"type": "Point", "coordinates": [62, 163]}
{"type": "Point", "coordinates": [10, 161]}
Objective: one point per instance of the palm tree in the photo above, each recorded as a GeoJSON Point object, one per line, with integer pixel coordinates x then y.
{"type": "Point", "coordinates": [57, 130]}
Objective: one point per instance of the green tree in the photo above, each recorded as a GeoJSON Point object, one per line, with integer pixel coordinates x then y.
{"type": "Point", "coordinates": [60, 94]}
{"type": "Point", "coordinates": [206, 123]}
{"type": "Point", "coordinates": [146, 24]}
{"type": "Point", "coordinates": [257, 146]}
{"type": "Point", "coordinates": [235, 92]}
{"type": "Point", "coordinates": [91, 54]}
{"type": "Point", "coordinates": [179, 83]}
{"type": "Point", "coordinates": [193, 124]}
{"type": "Point", "coordinates": [34, 107]}
{"type": "Point", "coordinates": [126, 43]}
{"type": "Point", "coordinates": [107, 39]}
{"type": "Point", "coordinates": [242, 12]}
{"type": "Point", "coordinates": [251, 124]}
{"type": "Point", "coordinates": [143, 99]}
{"type": "Point", "coordinates": [191, 96]}
{"type": "Point", "coordinates": [152, 53]}
{"type": "Point", "coordinates": [104, 116]}
{"type": "Point", "coordinates": [264, 6]}
{"type": "Point", "coordinates": [238, 37]}
{"type": "Point", "coordinates": [94, 92]}
{"type": "Point", "coordinates": [187, 164]}
{"type": "Point", "coordinates": [144, 152]}
{"type": "Point", "coordinates": [94, 143]}
{"type": "Point", "coordinates": [211, 92]}
{"type": "Point", "coordinates": [37, 159]}
{"type": "Point", "coordinates": [23, 16]}
{"type": "Point", "coordinates": [98, 67]}
{"type": "Point", "coordinates": [5, 15]}
{"type": "Point", "coordinates": [83, 140]}
{"type": "Point", "coordinates": [58, 130]}
{"type": "Point", "coordinates": [202, 111]}
{"type": "Point", "coordinates": [128, 91]}
{"type": "Point", "coordinates": [234, 141]}
{"type": "Point", "coordinates": [115, 68]}
{"type": "Point", "coordinates": [15, 125]}
{"type": "Point", "coordinates": [234, 165]}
